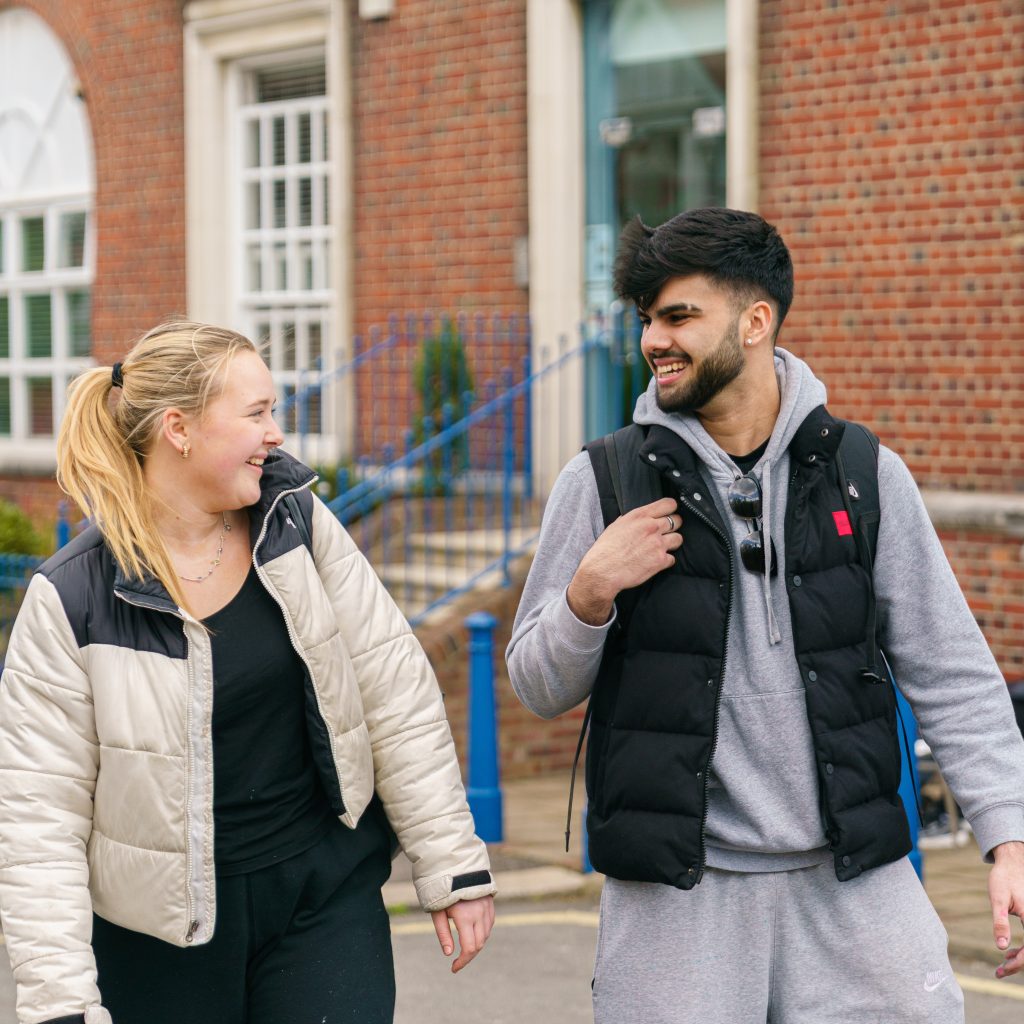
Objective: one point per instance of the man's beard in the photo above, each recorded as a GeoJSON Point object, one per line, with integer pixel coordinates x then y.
{"type": "Point", "coordinates": [715, 372]}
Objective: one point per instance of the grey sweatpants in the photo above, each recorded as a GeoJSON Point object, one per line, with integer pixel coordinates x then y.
{"type": "Point", "coordinates": [787, 947]}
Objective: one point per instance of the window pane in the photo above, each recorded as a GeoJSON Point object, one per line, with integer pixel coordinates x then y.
{"type": "Point", "coordinates": [40, 406]}
{"type": "Point", "coordinates": [72, 240]}
{"type": "Point", "coordinates": [252, 205]}
{"type": "Point", "coordinates": [278, 153]}
{"type": "Point", "coordinates": [252, 143]}
{"type": "Point", "coordinates": [286, 419]}
{"type": "Point", "coordinates": [291, 83]}
{"type": "Point", "coordinates": [306, 266]}
{"type": "Point", "coordinates": [255, 264]}
{"type": "Point", "coordinates": [280, 205]}
{"type": "Point", "coordinates": [305, 202]}
{"type": "Point", "coordinates": [309, 415]}
{"type": "Point", "coordinates": [280, 267]}
{"type": "Point", "coordinates": [288, 346]}
{"type": "Point", "coordinates": [32, 243]}
{"type": "Point", "coordinates": [79, 329]}
{"type": "Point", "coordinates": [5, 328]}
{"type": "Point", "coordinates": [38, 327]}
{"type": "Point", "coordinates": [305, 138]}
{"type": "Point", "coordinates": [5, 406]}
{"type": "Point", "coordinates": [316, 347]}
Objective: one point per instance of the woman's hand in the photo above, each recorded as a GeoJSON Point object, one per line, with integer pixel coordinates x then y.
{"type": "Point", "coordinates": [473, 921]}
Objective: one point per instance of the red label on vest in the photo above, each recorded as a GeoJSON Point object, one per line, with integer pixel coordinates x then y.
{"type": "Point", "coordinates": [843, 527]}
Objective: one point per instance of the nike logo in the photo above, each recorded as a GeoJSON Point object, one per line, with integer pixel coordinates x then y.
{"type": "Point", "coordinates": [933, 981]}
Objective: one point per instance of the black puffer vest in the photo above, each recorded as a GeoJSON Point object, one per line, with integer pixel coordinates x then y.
{"type": "Point", "coordinates": [654, 709]}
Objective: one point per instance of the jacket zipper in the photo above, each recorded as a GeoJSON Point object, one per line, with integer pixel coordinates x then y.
{"type": "Point", "coordinates": [721, 677]}
{"type": "Point", "coordinates": [291, 629]}
{"type": "Point", "coordinates": [190, 900]}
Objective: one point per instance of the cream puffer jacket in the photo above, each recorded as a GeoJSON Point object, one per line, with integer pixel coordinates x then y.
{"type": "Point", "coordinates": [106, 783]}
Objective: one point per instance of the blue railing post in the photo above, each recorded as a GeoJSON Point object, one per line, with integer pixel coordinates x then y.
{"type": "Point", "coordinates": [508, 470]}
{"type": "Point", "coordinates": [483, 791]}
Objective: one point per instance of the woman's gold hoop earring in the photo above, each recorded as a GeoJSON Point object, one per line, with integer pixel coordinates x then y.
{"type": "Point", "coordinates": [186, 450]}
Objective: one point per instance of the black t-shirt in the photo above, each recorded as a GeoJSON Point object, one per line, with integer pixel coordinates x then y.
{"type": "Point", "coordinates": [748, 462]}
{"type": "Point", "coordinates": [268, 802]}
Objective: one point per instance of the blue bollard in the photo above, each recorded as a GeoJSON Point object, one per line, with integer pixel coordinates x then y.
{"type": "Point", "coordinates": [483, 791]}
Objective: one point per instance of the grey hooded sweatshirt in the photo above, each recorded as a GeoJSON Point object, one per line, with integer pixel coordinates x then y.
{"type": "Point", "coordinates": [763, 789]}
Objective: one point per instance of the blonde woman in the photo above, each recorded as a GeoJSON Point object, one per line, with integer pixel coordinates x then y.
{"type": "Point", "coordinates": [213, 724]}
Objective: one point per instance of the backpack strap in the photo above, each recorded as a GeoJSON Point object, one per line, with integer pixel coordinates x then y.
{"type": "Point", "coordinates": [857, 462]}
{"type": "Point", "coordinates": [605, 464]}
{"type": "Point", "coordinates": [624, 482]}
{"type": "Point", "coordinates": [857, 465]}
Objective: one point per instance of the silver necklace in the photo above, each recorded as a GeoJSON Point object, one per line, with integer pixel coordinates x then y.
{"type": "Point", "coordinates": [220, 551]}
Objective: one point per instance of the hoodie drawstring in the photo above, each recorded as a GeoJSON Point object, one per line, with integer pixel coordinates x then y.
{"type": "Point", "coordinates": [774, 636]}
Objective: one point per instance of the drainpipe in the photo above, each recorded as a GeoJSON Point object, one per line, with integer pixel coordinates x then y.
{"type": "Point", "coordinates": [742, 116]}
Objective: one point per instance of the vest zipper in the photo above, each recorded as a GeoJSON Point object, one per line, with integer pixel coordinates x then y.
{"type": "Point", "coordinates": [721, 677]}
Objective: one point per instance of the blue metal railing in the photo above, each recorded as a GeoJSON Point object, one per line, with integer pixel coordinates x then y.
{"type": "Point", "coordinates": [392, 368]}
{"type": "Point", "coordinates": [458, 504]}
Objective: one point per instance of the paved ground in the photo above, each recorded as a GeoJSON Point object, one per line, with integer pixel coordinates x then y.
{"type": "Point", "coordinates": [537, 967]}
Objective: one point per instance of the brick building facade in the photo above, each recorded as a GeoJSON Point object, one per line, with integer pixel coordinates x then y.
{"type": "Point", "coordinates": [884, 139]}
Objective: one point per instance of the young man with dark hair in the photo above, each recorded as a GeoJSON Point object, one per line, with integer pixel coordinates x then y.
{"type": "Point", "coordinates": [735, 636]}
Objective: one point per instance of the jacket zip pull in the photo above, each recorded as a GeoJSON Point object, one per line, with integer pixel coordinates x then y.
{"type": "Point", "coordinates": [191, 933]}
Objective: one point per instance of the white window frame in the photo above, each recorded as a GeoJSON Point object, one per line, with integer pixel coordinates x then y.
{"type": "Point", "coordinates": [26, 195]}
{"type": "Point", "coordinates": [37, 450]}
{"type": "Point", "coordinates": [271, 305]}
{"type": "Point", "coordinates": [223, 40]}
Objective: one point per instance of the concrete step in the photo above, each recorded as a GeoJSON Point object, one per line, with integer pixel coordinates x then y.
{"type": "Point", "coordinates": [472, 549]}
{"type": "Point", "coordinates": [417, 580]}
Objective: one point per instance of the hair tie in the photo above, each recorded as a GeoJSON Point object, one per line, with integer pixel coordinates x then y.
{"type": "Point", "coordinates": [116, 377]}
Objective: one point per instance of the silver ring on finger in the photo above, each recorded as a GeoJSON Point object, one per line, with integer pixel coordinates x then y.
{"type": "Point", "coordinates": [671, 523]}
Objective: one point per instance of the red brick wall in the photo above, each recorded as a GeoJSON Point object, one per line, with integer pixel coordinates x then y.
{"type": "Point", "coordinates": [439, 127]}
{"type": "Point", "coordinates": [892, 148]}
{"type": "Point", "coordinates": [128, 57]}
{"type": "Point", "coordinates": [991, 572]}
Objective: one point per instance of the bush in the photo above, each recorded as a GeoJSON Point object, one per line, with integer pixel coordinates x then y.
{"type": "Point", "coordinates": [17, 534]}
{"type": "Point", "coordinates": [441, 376]}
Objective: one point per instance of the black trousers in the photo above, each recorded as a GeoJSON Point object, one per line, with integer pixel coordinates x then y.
{"type": "Point", "coordinates": [305, 941]}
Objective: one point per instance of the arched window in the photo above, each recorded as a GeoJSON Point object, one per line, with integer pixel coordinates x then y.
{"type": "Point", "coordinates": [46, 238]}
